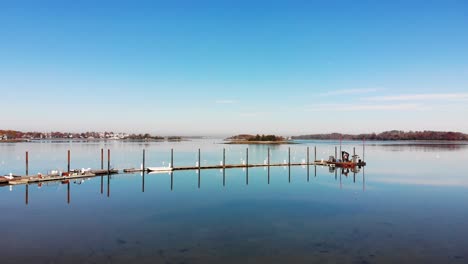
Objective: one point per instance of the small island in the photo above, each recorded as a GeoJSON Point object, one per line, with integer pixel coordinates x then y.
{"type": "Point", "coordinates": [257, 139]}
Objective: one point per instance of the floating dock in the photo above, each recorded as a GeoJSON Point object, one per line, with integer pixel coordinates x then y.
{"type": "Point", "coordinates": [79, 174]}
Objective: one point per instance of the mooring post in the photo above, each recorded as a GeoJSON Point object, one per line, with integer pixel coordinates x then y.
{"type": "Point", "coordinates": [224, 158]}
{"type": "Point", "coordinates": [315, 153]}
{"type": "Point", "coordinates": [354, 151]}
{"type": "Point", "coordinates": [172, 158]}
{"type": "Point", "coordinates": [27, 163]}
{"type": "Point", "coordinates": [68, 167]}
{"type": "Point", "coordinates": [336, 154]}
{"type": "Point", "coordinates": [247, 157]}
{"type": "Point", "coordinates": [102, 159]}
{"type": "Point", "coordinates": [199, 163]}
{"type": "Point", "coordinates": [363, 148]}
{"type": "Point", "coordinates": [268, 158]}
{"type": "Point", "coordinates": [307, 163]}
{"type": "Point", "coordinates": [289, 156]}
{"type": "Point", "coordinates": [143, 163]}
{"type": "Point", "coordinates": [108, 161]}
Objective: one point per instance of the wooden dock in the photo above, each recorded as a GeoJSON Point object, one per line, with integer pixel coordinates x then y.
{"type": "Point", "coordinates": [77, 174]}
{"type": "Point", "coordinates": [94, 173]}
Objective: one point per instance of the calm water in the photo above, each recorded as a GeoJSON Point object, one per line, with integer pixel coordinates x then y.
{"type": "Point", "coordinates": [408, 206]}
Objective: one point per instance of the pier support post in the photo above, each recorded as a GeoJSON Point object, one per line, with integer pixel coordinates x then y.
{"type": "Point", "coordinates": [143, 162]}
{"type": "Point", "coordinates": [268, 158]}
{"type": "Point", "coordinates": [27, 163]}
{"type": "Point", "coordinates": [247, 157]}
{"type": "Point", "coordinates": [102, 159]}
{"type": "Point", "coordinates": [68, 166]}
{"type": "Point", "coordinates": [199, 161]}
{"type": "Point", "coordinates": [108, 161]}
{"type": "Point", "coordinates": [315, 153]}
{"type": "Point", "coordinates": [363, 148]}
{"type": "Point", "coordinates": [224, 158]}
{"type": "Point", "coordinates": [172, 158]}
{"type": "Point", "coordinates": [289, 157]}
{"type": "Point", "coordinates": [307, 163]}
{"type": "Point", "coordinates": [336, 153]}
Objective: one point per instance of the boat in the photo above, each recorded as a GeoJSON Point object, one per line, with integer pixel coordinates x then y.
{"type": "Point", "coordinates": [159, 169]}
{"type": "Point", "coordinates": [344, 162]}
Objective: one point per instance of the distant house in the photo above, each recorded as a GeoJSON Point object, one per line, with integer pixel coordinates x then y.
{"type": "Point", "coordinates": [4, 137]}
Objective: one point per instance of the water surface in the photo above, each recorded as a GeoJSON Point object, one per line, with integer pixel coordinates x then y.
{"type": "Point", "coordinates": [407, 206]}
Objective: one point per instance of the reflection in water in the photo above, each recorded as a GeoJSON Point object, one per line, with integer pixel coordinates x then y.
{"type": "Point", "coordinates": [27, 194]}
{"type": "Point", "coordinates": [424, 146]}
{"type": "Point", "coordinates": [343, 171]}
{"type": "Point", "coordinates": [68, 192]}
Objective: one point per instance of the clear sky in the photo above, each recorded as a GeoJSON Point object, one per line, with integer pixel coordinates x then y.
{"type": "Point", "coordinates": [226, 67]}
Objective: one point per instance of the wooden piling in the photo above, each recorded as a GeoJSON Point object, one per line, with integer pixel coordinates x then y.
{"type": "Point", "coordinates": [336, 154]}
{"type": "Point", "coordinates": [247, 157]}
{"type": "Point", "coordinates": [289, 157]}
{"type": "Point", "coordinates": [224, 158]}
{"type": "Point", "coordinates": [363, 148]}
{"type": "Point", "coordinates": [172, 158]}
{"type": "Point", "coordinates": [315, 153]}
{"type": "Point", "coordinates": [108, 160]}
{"type": "Point", "coordinates": [68, 166]}
{"type": "Point", "coordinates": [102, 159]}
{"type": "Point", "coordinates": [307, 163]}
{"type": "Point", "coordinates": [27, 163]}
{"type": "Point", "coordinates": [143, 162]}
{"type": "Point", "coordinates": [268, 158]}
{"type": "Point", "coordinates": [199, 161]}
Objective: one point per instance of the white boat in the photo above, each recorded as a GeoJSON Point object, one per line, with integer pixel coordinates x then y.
{"type": "Point", "coordinates": [159, 169]}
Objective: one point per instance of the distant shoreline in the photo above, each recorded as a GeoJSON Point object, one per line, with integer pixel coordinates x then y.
{"type": "Point", "coordinates": [247, 142]}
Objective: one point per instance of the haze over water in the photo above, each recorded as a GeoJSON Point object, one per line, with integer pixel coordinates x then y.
{"type": "Point", "coordinates": [407, 206]}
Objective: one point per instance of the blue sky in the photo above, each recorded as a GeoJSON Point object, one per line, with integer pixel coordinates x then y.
{"type": "Point", "coordinates": [225, 67]}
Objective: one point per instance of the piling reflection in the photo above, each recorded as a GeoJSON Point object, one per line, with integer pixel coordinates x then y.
{"type": "Point", "coordinates": [332, 170]}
